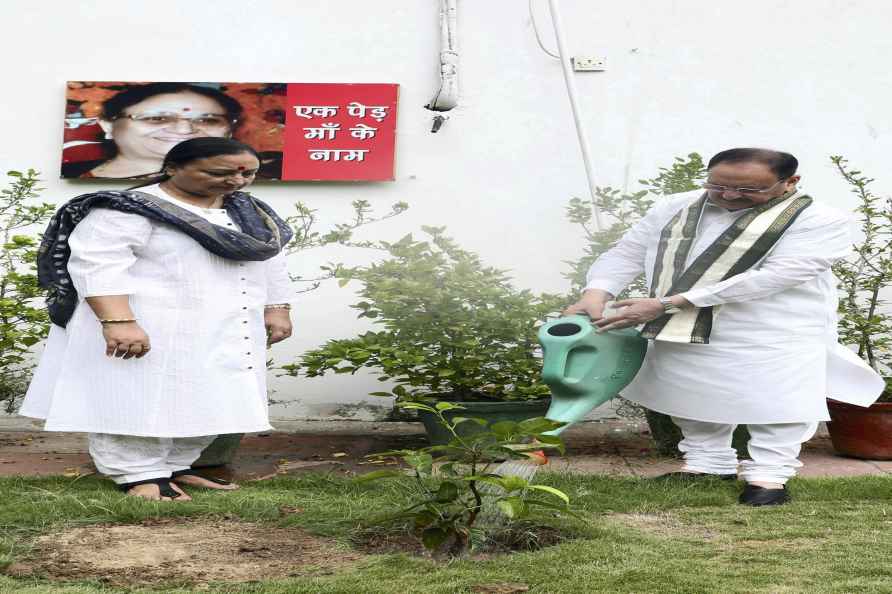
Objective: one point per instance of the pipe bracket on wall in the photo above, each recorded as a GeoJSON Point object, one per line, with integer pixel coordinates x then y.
{"type": "Point", "coordinates": [438, 122]}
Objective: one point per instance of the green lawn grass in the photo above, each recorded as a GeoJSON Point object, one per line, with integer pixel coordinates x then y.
{"type": "Point", "coordinates": [635, 536]}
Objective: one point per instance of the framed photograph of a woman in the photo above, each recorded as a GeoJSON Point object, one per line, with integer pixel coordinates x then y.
{"type": "Point", "coordinates": [300, 131]}
{"type": "Point", "coordinates": [123, 130]}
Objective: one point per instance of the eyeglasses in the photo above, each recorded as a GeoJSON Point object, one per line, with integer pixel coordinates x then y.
{"type": "Point", "coordinates": [751, 191]}
{"type": "Point", "coordinates": [162, 119]}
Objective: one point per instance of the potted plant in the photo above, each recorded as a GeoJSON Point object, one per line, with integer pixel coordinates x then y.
{"type": "Point", "coordinates": [858, 431]}
{"type": "Point", "coordinates": [453, 330]}
{"type": "Point", "coordinates": [23, 319]}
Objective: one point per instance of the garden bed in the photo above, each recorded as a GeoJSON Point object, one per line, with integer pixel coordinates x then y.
{"type": "Point", "coordinates": [310, 534]}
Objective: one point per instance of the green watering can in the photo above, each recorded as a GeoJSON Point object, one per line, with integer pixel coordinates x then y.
{"type": "Point", "coordinates": [585, 368]}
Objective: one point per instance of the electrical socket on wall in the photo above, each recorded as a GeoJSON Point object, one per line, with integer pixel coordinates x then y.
{"type": "Point", "coordinates": [589, 63]}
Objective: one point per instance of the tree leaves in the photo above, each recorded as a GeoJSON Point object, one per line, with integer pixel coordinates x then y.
{"type": "Point", "coordinates": [448, 325]}
{"type": "Point", "coordinates": [513, 507]}
{"type": "Point", "coordinates": [551, 490]}
{"type": "Point", "coordinates": [865, 275]}
{"type": "Point", "coordinates": [23, 318]}
{"type": "Point", "coordinates": [620, 210]}
{"type": "Point", "coordinates": [450, 485]}
{"type": "Point", "coordinates": [432, 538]}
{"type": "Point", "coordinates": [447, 492]}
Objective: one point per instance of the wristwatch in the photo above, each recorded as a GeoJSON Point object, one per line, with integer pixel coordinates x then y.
{"type": "Point", "coordinates": [668, 307]}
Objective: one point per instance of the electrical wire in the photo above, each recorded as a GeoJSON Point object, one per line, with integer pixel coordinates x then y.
{"type": "Point", "coordinates": [536, 31]}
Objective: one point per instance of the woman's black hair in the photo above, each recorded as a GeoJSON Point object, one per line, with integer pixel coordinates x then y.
{"type": "Point", "coordinates": [783, 165]}
{"type": "Point", "coordinates": [198, 148]}
{"type": "Point", "coordinates": [114, 107]}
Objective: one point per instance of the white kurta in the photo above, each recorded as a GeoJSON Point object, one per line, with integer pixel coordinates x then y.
{"type": "Point", "coordinates": [206, 372]}
{"type": "Point", "coordinates": [773, 343]}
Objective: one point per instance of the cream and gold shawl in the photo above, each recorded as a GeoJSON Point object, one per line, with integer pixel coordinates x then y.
{"type": "Point", "coordinates": [738, 248]}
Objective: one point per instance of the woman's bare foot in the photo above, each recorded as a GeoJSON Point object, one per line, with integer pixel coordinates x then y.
{"type": "Point", "coordinates": [198, 481]}
{"type": "Point", "coordinates": [152, 492]}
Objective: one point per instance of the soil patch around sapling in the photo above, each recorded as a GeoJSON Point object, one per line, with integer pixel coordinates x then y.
{"type": "Point", "coordinates": [525, 537]}
{"type": "Point", "coordinates": [187, 551]}
{"type": "Point", "coordinates": [508, 539]}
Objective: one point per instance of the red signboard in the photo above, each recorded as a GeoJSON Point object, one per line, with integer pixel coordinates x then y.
{"type": "Point", "coordinates": [302, 131]}
{"type": "Point", "coordinates": [340, 131]}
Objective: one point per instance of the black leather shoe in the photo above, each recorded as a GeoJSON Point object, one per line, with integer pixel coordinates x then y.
{"type": "Point", "coordinates": [758, 496]}
{"type": "Point", "coordinates": [693, 476]}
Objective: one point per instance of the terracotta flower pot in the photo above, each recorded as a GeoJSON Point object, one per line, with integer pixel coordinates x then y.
{"type": "Point", "coordinates": [861, 432]}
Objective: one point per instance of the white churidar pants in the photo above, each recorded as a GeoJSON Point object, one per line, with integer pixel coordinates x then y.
{"type": "Point", "coordinates": [773, 449]}
{"type": "Point", "coordinates": [131, 458]}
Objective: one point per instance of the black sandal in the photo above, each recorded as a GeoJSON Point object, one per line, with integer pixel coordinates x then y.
{"type": "Point", "coordinates": [193, 472]}
{"type": "Point", "coordinates": [164, 487]}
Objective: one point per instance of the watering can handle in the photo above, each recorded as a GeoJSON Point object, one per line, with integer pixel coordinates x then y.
{"type": "Point", "coordinates": [553, 370]}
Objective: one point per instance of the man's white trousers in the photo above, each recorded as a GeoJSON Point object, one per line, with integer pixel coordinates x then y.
{"type": "Point", "coordinates": [773, 449]}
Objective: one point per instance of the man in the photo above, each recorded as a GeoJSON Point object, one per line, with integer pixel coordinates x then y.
{"type": "Point", "coordinates": [742, 313]}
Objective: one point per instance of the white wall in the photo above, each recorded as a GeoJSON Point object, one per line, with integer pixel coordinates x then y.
{"type": "Point", "coordinates": [807, 76]}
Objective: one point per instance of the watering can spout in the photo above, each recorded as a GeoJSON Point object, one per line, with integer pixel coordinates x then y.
{"type": "Point", "coordinates": [584, 368]}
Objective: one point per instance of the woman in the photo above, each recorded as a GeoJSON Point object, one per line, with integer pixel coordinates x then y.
{"type": "Point", "coordinates": [163, 302]}
{"type": "Point", "coordinates": [142, 123]}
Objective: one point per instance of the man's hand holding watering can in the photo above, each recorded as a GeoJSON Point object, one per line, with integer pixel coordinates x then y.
{"type": "Point", "coordinates": [591, 304]}
{"type": "Point", "coordinates": [629, 312]}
